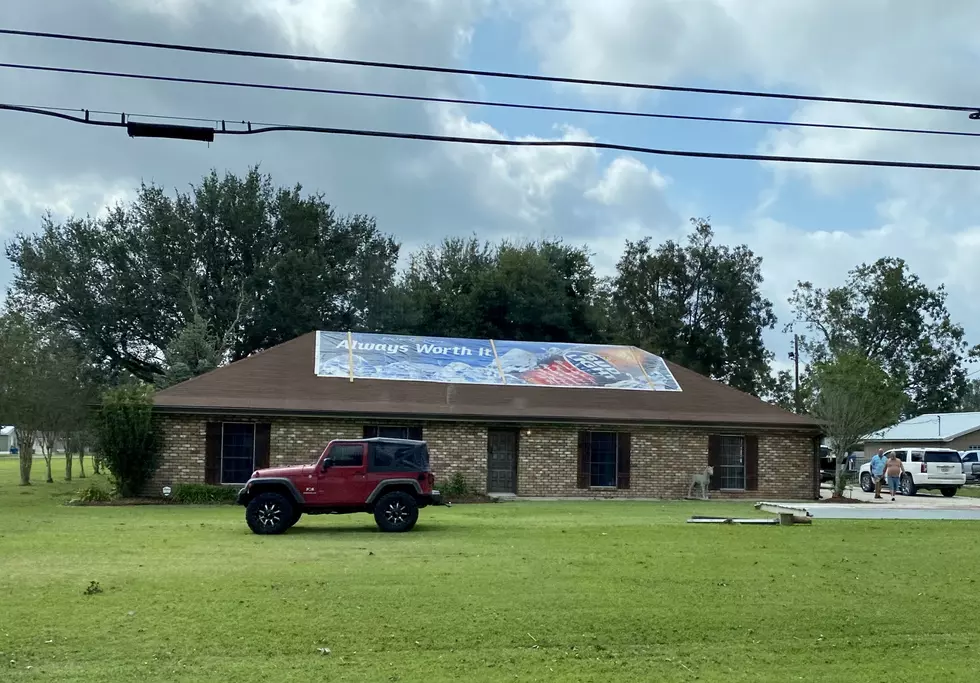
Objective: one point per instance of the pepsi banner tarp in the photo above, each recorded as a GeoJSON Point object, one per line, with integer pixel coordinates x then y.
{"type": "Point", "coordinates": [479, 361]}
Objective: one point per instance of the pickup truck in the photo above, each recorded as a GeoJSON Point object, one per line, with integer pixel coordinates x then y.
{"type": "Point", "coordinates": [971, 465]}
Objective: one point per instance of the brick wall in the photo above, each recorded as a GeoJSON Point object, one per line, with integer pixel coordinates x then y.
{"type": "Point", "coordinates": [663, 459]}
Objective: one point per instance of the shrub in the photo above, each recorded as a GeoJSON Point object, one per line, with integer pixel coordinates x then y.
{"type": "Point", "coordinates": [202, 494]}
{"type": "Point", "coordinates": [92, 494]}
{"type": "Point", "coordinates": [456, 485]}
{"type": "Point", "coordinates": [128, 441]}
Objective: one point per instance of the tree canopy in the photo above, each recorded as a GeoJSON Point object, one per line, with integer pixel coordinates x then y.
{"type": "Point", "coordinates": [261, 265]}
{"type": "Point", "coordinates": [172, 285]}
{"type": "Point", "coordinates": [885, 313]}
{"type": "Point", "coordinates": [698, 304]}
{"type": "Point", "coordinates": [852, 397]}
{"type": "Point", "coordinates": [545, 291]}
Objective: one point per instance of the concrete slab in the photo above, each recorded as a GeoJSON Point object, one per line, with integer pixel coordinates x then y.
{"type": "Point", "coordinates": [925, 500]}
{"type": "Point", "coordinates": [833, 511]}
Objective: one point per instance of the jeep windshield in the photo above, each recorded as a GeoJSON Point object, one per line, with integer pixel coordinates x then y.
{"type": "Point", "coordinates": [943, 456]}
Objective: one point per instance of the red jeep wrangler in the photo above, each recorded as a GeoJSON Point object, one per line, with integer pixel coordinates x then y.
{"type": "Point", "coordinates": [389, 478]}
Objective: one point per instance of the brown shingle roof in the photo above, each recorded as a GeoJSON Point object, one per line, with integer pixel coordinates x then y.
{"type": "Point", "coordinates": [282, 380]}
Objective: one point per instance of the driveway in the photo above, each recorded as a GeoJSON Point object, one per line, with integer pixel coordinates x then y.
{"type": "Point", "coordinates": [924, 505]}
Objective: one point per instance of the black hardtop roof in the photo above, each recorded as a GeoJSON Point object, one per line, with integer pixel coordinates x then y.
{"type": "Point", "coordinates": [382, 439]}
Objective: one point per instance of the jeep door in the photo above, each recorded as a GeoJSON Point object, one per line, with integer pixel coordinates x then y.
{"type": "Point", "coordinates": [342, 483]}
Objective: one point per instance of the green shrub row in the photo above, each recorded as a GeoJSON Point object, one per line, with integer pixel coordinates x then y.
{"type": "Point", "coordinates": [202, 494]}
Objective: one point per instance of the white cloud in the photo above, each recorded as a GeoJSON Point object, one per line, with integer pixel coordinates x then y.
{"type": "Point", "coordinates": [19, 197]}
{"type": "Point", "coordinates": [626, 179]}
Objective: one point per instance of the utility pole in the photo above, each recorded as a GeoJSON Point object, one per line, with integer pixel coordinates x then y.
{"type": "Point", "coordinates": [796, 373]}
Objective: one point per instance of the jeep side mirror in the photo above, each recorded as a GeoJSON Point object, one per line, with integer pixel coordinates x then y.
{"type": "Point", "coordinates": [327, 463]}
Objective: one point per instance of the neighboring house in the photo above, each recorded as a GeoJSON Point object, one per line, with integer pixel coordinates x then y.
{"type": "Point", "coordinates": [8, 439]}
{"type": "Point", "coordinates": [513, 417]}
{"type": "Point", "coordinates": [959, 431]}
{"type": "Point", "coordinates": [59, 447]}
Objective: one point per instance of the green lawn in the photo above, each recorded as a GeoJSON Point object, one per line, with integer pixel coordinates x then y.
{"type": "Point", "coordinates": [511, 592]}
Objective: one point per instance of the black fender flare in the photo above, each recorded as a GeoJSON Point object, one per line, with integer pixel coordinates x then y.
{"type": "Point", "coordinates": [380, 489]}
{"type": "Point", "coordinates": [255, 485]}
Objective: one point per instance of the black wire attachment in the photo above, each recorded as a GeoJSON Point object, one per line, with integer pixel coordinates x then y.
{"type": "Point", "coordinates": [138, 129]}
{"type": "Point", "coordinates": [975, 116]}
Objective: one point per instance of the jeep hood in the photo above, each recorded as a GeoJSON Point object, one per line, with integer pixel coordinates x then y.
{"type": "Point", "coordinates": [286, 472]}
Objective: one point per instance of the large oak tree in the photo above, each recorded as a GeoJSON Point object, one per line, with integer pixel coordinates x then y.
{"type": "Point", "coordinates": [885, 313]}
{"type": "Point", "coordinates": [544, 291]}
{"type": "Point", "coordinates": [260, 264]}
{"type": "Point", "coordinates": [697, 304]}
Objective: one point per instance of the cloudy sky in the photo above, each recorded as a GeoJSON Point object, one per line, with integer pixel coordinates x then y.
{"type": "Point", "coordinates": [807, 222]}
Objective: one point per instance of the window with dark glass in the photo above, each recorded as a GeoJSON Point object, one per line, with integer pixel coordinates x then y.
{"type": "Point", "coordinates": [731, 463]}
{"type": "Point", "coordinates": [392, 432]}
{"type": "Point", "coordinates": [603, 450]}
{"type": "Point", "coordinates": [347, 455]}
{"type": "Point", "coordinates": [237, 452]}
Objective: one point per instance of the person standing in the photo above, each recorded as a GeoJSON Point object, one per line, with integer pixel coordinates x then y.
{"type": "Point", "coordinates": [893, 472]}
{"type": "Point", "coordinates": [878, 471]}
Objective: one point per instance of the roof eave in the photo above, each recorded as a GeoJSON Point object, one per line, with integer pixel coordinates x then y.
{"type": "Point", "coordinates": [556, 419]}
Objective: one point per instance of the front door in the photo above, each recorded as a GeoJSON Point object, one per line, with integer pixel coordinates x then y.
{"type": "Point", "coordinates": [502, 461]}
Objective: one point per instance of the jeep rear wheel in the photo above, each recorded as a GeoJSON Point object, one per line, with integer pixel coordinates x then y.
{"type": "Point", "coordinates": [270, 513]}
{"type": "Point", "coordinates": [396, 512]}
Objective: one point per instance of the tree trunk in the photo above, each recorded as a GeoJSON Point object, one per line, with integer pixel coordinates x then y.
{"type": "Point", "coordinates": [96, 464]}
{"type": "Point", "coordinates": [26, 460]}
{"type": "Point", "coordinates": [47, 450]}
{"type": "Point", "coordinates": [840, 475]}
{"type": "Point", "coordinates": [81, 462]}
{"type": "Point", "coordinates": [68, 458]}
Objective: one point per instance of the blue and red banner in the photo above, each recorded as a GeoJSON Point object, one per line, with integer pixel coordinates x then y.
{"type": "Point", "coordinates": [484, 361]}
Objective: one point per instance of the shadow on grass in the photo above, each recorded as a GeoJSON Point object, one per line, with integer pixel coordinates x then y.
{"type": "Point", "coordinates": [299, 529]}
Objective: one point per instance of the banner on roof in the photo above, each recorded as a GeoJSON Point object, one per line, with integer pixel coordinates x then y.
{"type": "Point", "coordinates": [483, 361]}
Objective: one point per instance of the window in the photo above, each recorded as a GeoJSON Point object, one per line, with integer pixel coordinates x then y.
{"type": "Point", "coordinates": [970, 457]}
{"type": "Point", "coordinates": [393, 432]}
{"type": "Point", "coordinates": [347, 455]}
{"type": "Point", "coordinates": [731, 462]}
{"type": "Point", "coordinates": [916, 456]}
{"type": "Point", "coordinates": [942, 456]}
{"type": "Point", "coordinates": [603, 458]}
{"type": "Point", "coordinates": [394, 457]}
{"type": "Point", "coordinates": [237, 452]}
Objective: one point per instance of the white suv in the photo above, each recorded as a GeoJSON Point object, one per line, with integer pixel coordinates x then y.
{"type": "Point", "coordinates": [925, 468]}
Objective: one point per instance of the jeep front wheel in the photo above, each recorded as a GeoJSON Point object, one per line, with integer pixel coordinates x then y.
{"type": "Point", "coordinates": [396, 511]}
{"type": "Point", "coordinates": [269, 513]}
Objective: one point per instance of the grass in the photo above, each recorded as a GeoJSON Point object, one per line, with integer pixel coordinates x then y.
{"type": "Point", "coordinates": [591, 591]}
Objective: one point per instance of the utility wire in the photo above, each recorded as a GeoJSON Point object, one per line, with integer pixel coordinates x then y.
{"type": "Point", "coordinates": [975, 111]}
{"type": "Point", "coordinates": [467, 102]}
{"type": "Point", "coordinates": [587, 144]}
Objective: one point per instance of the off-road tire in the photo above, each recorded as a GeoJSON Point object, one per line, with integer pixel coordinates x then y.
{"type": "Point", "coordinates": [948, 491]}
{"type": "Point", "coordinates": [396, 512]}
{"type": "Point", "coordinates": [867, 483]}
{"type": "Point", "coordinates": [270, 513]}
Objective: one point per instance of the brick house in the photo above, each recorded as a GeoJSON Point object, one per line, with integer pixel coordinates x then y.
{"type": "Point", "coordinates": [281, 407]}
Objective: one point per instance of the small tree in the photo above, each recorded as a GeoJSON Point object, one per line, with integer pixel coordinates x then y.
{"type": "Point", "coordinates": [852, 397]}
{"type": "Point", "coordinates": [128, 441]}
{"type": "Point", "coordinates": [21, 404]}
{"type": "Point", "coordinates": [194, 351]}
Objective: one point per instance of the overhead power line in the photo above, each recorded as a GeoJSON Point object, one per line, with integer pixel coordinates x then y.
{"type": "Point", "coordinates": [137, 129]}
{"type": "Point", "coordinates": [974, 111]}
{"type": "Point", "coordinates": [469, 102]}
